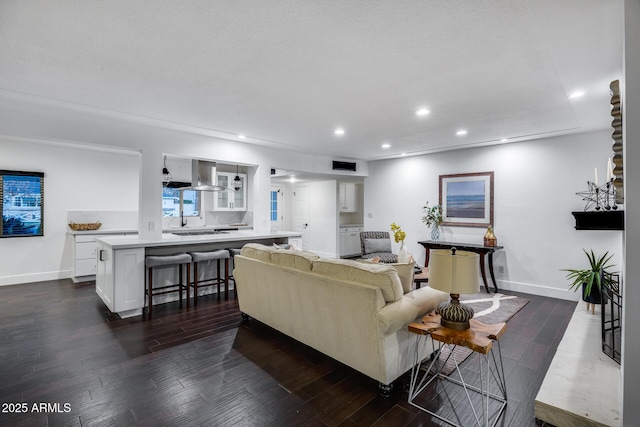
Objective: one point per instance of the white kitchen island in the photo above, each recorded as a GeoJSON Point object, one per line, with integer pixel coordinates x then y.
{"type": "Point", "coordinates": [120, 275]}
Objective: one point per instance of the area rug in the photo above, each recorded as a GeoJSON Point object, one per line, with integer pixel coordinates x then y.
{"type": "Point", "coordinates": [488, 308]}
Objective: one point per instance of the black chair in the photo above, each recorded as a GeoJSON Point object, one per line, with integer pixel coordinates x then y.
{"type": "Point", "coordinates": [377, 244]}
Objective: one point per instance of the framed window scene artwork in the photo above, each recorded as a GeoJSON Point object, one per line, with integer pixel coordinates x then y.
{"type": "Point", "coordinates": [22, 208]}
{"type": "Point", "coordinates": [467, 199]}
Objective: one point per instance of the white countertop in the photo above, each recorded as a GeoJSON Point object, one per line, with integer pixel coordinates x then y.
{"type": "Point", "coordinates": [168, 239]}
{"type": "Point", "coordinates": [164, 230]}
{"type": "Point", "coordinates": [102, 231]}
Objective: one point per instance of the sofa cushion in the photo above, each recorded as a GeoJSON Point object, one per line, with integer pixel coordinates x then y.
{"type": "Point", "coordinates": [376, 245]}
{"type": "Point", "coordinates": [300, 260]}
{"type": "Point", "coordinates": [257, 251]}
{"type": "Point", "coordinates": [382, 276]}
{"type": "Point", "coordinates": [405, 273]}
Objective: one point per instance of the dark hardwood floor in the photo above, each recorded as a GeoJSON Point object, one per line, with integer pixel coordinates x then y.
{"type": "Point", "coordinates": [60, 346]}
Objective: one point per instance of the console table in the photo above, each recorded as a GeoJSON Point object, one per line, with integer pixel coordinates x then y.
{"type": "Point", "coordinates": [482, 250]}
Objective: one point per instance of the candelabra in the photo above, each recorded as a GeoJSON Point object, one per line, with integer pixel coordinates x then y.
{"type": "Point", "coordinates": [601, 197]}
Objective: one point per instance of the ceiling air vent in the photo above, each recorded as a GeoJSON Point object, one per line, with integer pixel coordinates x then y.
{"type": "Point", "coordinates": [344, 166]}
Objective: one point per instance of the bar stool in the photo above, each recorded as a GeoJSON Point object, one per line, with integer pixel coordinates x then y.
{"type": "Point", "coordinates": [233, 252]}
{"type": "Point", "coordinates": [180, 260]}
{"type": "Point", "coordinates": [218, 255]}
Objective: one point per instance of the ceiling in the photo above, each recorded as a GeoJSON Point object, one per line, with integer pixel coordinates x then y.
{"type": "Point", "coordinates": [287, 73]}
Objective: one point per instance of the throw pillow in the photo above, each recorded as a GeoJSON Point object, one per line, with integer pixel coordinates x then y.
{"type": "Point", "coordinates": [405, 273]}
{"type": "Point", "coordinates": [377, 245]}
{"type": "Point", "coordinates": [282, 246]}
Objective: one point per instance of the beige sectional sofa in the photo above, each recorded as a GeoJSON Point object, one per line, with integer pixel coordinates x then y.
{"type": "Point", "coordinates": [355, 312]}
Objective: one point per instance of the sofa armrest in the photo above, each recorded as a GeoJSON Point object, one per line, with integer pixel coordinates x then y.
{"type": "Point", "coordinates": [412, 306]}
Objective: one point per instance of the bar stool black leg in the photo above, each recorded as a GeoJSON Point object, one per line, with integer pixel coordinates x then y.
{"type": "Point", "coordinates": [226, 278]}
{"type": "Point", "coordinates": [218, 281]}
{"type": "Point", "coordinates": [188, 279]}
{"type": "Point", "coordinates": [180, 284]}
{"type": "Point", "coordinates": [195, 284]}
{"type": "Point", "coordinates": [150, 292]}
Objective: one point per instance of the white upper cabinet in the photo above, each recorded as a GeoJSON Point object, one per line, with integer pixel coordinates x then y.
{"type": "Point", "coordinates": [348, 197]}
{"type": "Point", "coordinates": [230, 200]}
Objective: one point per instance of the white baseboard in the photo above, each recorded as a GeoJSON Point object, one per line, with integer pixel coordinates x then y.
{"type": "Point", "coordinates": [545, 291]}
{"type": "Point", "coordinates": [34, 277]}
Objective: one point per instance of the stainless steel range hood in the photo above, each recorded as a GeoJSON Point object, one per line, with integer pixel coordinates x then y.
{"type": "Point", "coordinates": [203, 177]}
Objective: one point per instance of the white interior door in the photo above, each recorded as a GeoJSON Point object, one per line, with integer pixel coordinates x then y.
{"type": "Point", "coordinates": [276, 207]}
{"type": "Point", "coordinates": [301, 213]}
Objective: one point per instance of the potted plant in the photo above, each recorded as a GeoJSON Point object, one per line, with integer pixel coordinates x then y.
{"type": "Point", "coordinates": [592, 280]}
{"type": "Point", "coordinates": [432, 218]}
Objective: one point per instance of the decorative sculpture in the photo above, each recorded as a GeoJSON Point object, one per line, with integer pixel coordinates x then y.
{"type": "Point", "coordinates": [602, 197]}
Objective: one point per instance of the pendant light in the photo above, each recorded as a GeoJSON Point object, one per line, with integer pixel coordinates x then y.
{"type": "Point", "coordinates": [237, 182]}
{"type": "Point", "coordinates": [166, 175]}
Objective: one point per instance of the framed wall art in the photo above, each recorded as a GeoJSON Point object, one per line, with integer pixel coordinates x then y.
{"type": "Point", "coordinates": [467, 199]}
{"type": "Point", "coordinates": [22, 208]}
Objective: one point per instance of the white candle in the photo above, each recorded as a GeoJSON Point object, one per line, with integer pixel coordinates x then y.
{"type": "Point", "coordinates": [612, 176]}
{"type": "Point", "coordinates": [609, 169]}
{"type": "Point", "coordinates": [596, 174]}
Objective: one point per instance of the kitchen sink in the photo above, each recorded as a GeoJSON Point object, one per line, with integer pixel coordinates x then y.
{"type": "Point", "coordinates": [198, 232]}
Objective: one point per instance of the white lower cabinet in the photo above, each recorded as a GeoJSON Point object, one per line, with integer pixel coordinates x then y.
{"type": "Point", "coordinates": [120, 279]}
{"type": "Point", "coordinates": [84, 256]}
{"type": "Point", "coordinates": [349, 241]}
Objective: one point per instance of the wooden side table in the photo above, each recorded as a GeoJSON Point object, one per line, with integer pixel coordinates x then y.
{"type": "Point", "coordinates": [421, 278]}
{"type": "Point", "coordinates": [479, 338]}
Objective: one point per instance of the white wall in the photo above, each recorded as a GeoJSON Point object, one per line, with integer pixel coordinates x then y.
{"type": "Point", "coordinates": [631, 137]}
{"type": "Point", "coordinates": [84, 176]}
{"type": "Point", "coordinates": [59, 121]}
{"type": "Point", "coordinates": [535, 186]}
{"type": "Point", "coordinates": [75, 179]}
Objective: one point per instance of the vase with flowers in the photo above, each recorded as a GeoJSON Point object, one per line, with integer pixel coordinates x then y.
{"type": "Point", "coordinates": [399, 236]}
{"type": "Point", "coordinates": [432, 217]}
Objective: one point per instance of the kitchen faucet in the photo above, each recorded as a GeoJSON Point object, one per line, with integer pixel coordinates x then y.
{"type": "Point", "coordinates": [182, 221]}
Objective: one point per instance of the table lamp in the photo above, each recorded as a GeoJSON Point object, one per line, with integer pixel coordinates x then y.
{"type": "Point", "coordinates": [455, 272]}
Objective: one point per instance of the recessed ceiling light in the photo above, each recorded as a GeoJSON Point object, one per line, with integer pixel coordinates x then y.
{"type": "Point", "coordinates": [241, 136]}
{"type": "Point", "coordinates": [422, 112]}
{"type": "Point", "coordinates": [461, 132]}
{"type": "Point", "coordinates": [386, 145]}
{"type": "Point", "coordinates": [577, 94]}
{"type": "Point", "coordinates": [339, 131]}
{"type": "Point", "coordinates": [403, 154]}
{"type": "Point", "coordinates": [504, 140]}
{"type": "Point", "coordinates": [292, 179]}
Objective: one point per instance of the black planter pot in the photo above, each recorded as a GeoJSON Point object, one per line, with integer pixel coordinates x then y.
{"type": "Point", "coordinates": [595, 297]}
